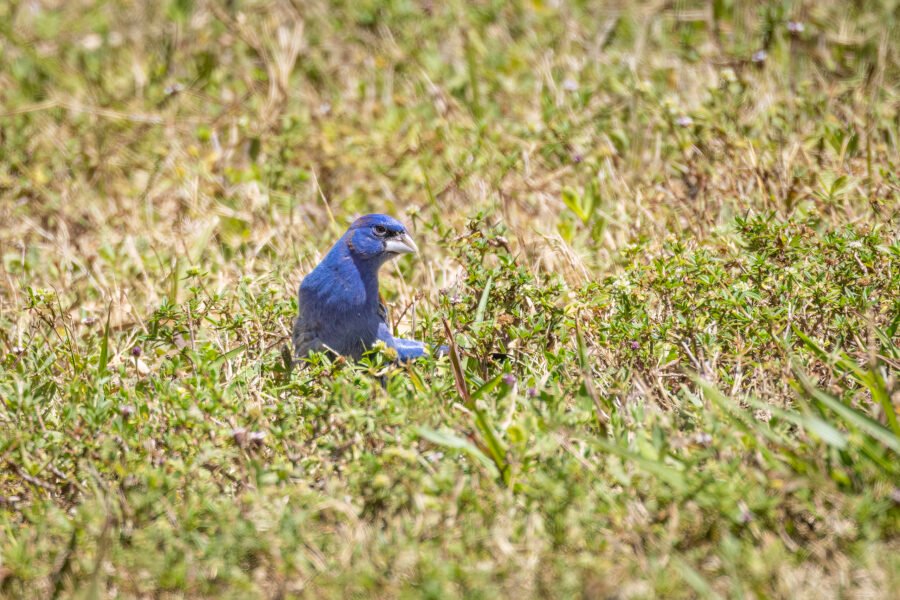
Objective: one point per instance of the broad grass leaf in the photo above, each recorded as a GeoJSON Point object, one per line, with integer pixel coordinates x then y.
{"type": "Point", "coordinates": [451, 440]}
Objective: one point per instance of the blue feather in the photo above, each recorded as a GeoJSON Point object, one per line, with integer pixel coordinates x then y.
{"type": "Point", "coordinates": [339, 306]}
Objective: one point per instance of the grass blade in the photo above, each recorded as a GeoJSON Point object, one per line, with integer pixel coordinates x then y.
{"type": "Point", "coordinates": [451, 440]}
{"type": "Point", "coordinates": [675, 478]}
{"type": "Point", "coordinates": [694, 579]}
{"type": "Point", "coordinates": [482, 303]}
{"type": "Point", "coordinates": [487, 387]}
{"type": "Point", "coordinates": [104, 345]}
{"type": "Point", "coordinates": [852, 416]}
{"type": "Point", "coordinates": [733, 409]}
{"type": "Point", "coordinates": [824, 430]}
{"type": "Point", "coordinates": [870, 379]}
{"type": "Point", "coordinates": [459, 378]}
{"type": "Point", "coordinates": [492, 442]}
{"type": "Point", "coordinates": [587, 377]}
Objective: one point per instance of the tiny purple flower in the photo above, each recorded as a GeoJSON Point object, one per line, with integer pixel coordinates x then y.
{"type": "Point", "coordinates": [759, 56]}
{"type": "Point", "coordinates": [509, 379]}
{"type": "Point", "coordinates": [702, 439]}
{"type": "Point", "coordinates": [577, 158]}
{"type": "Point", "coordinates": [684, 121]}
{"type": "Point", "coordinates": [531, 392]}
{"type": "Point", "coordinates": [635, 345]}
{"type": "Point", "coordinates": [239, 435]}
{"type": "Point", "coordinates": [795, 27]}
{"type": "Point", "coordinates": [745, 515]}
{"type": "Point", "coordinates": [136, 351]}
{"type": "Point", "coordinates": [126, 410]}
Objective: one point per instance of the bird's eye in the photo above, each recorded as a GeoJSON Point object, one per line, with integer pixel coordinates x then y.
{"type": "Point", "coordinates": [379, 230]}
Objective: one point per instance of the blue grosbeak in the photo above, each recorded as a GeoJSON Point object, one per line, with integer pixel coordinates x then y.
{"type": "Point", "coordinates": [340, 309]}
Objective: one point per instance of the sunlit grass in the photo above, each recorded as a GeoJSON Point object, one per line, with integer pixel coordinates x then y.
{"type": "Point", "coordinates": [661, 239]}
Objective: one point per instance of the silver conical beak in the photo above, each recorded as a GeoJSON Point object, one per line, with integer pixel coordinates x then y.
{"type": "Point", "coordinates": [402, 244]}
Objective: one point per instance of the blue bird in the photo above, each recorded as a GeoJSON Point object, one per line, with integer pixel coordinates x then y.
{"type": "Point", "coordinates": [340, 309]}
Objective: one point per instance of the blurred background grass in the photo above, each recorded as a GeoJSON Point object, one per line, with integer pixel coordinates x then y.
{"type": "Point", "coordinates": [665, 233]}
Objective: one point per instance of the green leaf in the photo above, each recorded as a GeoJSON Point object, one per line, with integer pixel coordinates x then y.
{"type": "Point", "coordinates": [451, 440]}
{"type": "Point", "coordinates": [670, 475]}
{"type": "Point", "coordinates": [571, 199]}
{"type": "Point", "coordinates": [487, 387]}
{"type": "Point", "coordinates": [227, 355]}
{"type": "Point", "coordinates": [810, 423]}
{"type": "Point", "coordinates": [852, 416]}
{"type": "Point", "coordinates": [694, 579]}
{"type": "Point", "coordinates": [870, 379]}
{"type": "Point", "coordinates": [482, 303]}
{"type": "Point", "coordinates": [895, 324]}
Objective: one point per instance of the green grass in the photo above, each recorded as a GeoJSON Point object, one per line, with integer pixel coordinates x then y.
{"type": "Point", "coordinates": [670, 271]}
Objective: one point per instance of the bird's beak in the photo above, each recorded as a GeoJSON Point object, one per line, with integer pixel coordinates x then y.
{"type": "Point", "coordinates": [402, 244]}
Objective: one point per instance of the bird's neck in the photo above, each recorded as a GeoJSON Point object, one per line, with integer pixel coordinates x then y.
{"type": "Point", "coordinates": [358, 276]}
{"type": "Point", "coordinates": [367, 270]}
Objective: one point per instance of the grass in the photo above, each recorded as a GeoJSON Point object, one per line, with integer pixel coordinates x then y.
{"type": "Point", "coordinates": [662, 238]}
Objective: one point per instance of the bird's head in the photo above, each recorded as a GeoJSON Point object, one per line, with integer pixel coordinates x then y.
{"type": "Point", "coordinates": [378, 237]}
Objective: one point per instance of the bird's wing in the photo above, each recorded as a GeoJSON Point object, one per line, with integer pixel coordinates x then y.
{"type": "Point", "coordinates": [382, 310]}
{"type": "Point", "coordinates": [306, 335]}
